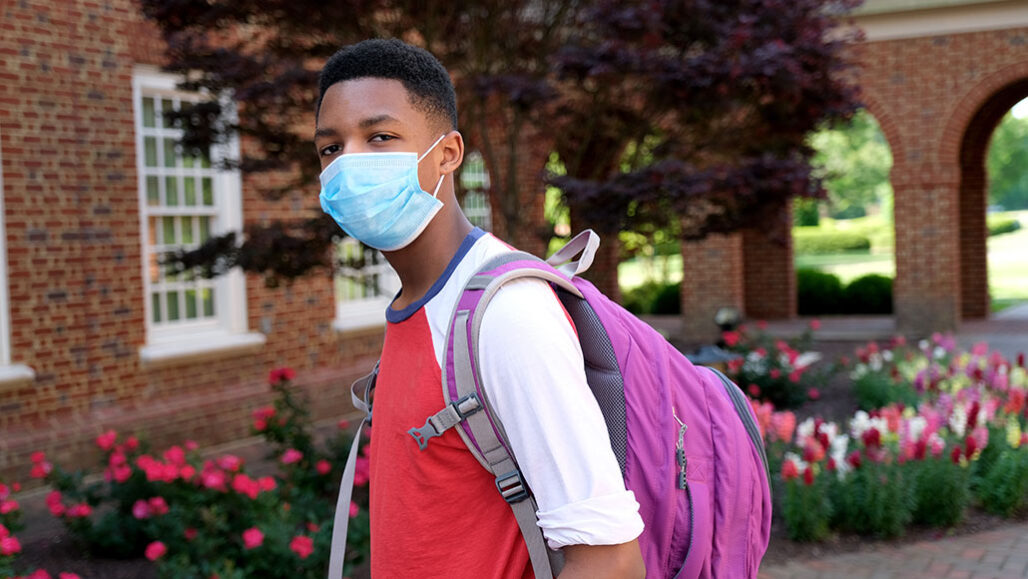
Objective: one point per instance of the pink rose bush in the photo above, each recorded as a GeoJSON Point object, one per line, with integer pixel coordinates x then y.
{"type": "Point", "coordinates": [10, 523]}
{"type": "Point", "coordinates": [197, 515]}
{"type": "Point", "coordinates": [940, 430]}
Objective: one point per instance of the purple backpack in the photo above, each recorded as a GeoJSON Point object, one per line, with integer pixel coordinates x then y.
{"type": "Point", "coordinates": [684, 436]}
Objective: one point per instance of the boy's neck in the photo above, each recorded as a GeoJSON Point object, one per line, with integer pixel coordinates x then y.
{"type": "Point", "coordinates": [421, 263]}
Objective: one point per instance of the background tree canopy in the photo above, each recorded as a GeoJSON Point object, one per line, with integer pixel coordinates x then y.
{"type": "Point", "coordinates": [1007, 164]}
{"type": "Point", "coordinates": [690, 113]}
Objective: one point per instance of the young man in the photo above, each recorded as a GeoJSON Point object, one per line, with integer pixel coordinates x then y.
{"type": "Point", "coordinates": [389, 148]}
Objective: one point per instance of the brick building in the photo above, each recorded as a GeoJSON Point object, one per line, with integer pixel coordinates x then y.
{"type": "Point", "coordinates": [938, 75]}
{"type": "Point", "coordinates": [93, 334]}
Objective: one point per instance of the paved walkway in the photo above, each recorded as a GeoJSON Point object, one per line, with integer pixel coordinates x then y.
{"type": "Point", "coordinates": [997, 554]}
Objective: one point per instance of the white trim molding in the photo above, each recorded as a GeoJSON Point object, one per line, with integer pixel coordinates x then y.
{"type": "Point", "coordinates": [10, 374]}
{"type": "Point", "coordinates": [898, 19]}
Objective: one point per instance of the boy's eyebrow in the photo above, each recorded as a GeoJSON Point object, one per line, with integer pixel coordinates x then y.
{"type": "Point", "coordinates": [325, 132]}
{"type": "Point", "coordinates": [364, 124]}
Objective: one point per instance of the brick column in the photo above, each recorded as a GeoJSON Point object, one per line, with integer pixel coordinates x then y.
{"type": "Point", "coordinates": [974, 252]}
{"type": "Point", "coordinates": [926, 293]}
{"type": "Point", "coordinates": [769, 275]}
{"type": "Point", "coordinates": [712, 278]}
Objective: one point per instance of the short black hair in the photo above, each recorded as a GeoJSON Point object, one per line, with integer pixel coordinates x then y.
{"type": "Point", "coordinates": [428, 84]}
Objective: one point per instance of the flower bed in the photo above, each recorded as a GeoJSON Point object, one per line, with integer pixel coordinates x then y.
{"type": "Point", "coordinates": [940, 429]}
{"type": "Point", "coordinates": [211, 518]}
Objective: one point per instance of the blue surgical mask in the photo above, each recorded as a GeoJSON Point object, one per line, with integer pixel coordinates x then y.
{"type": "Point", "coordinates": [376, 197]}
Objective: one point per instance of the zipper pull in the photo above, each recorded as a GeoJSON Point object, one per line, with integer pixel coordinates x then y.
{"type": "Point", "coordinates": [680, 451]}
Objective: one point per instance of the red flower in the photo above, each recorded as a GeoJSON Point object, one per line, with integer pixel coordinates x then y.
{"type": "Point", "coordinates": [79, 511]}
{"type": "Point", "coordinates": [8, 506]}
{"type": "Point", "coordinates": [814, 394]}
{"type": "Point", "coordinates": [872, 438]}
{"type": "Point", "coordinates": [106, 440]}
{"type": "Point", "coordinates": [775, 373]}
{"type": "Point", "coordinates": [158, 506]}
{"type": "Point", "coordinates": [795, 376]}
{"type": "Point", "coordinates": [244, 485]}
{"type": "Point", "coordinates": [9, 545]}
{"type": "Point", "coordinates": [253, 538]}
{"type": "Point", "coordinates": [831, 464]}
{"type": "Point", "coordinates": [815, 325]}
{"type": "Point", "coordinates": [761, 325]}
{"type": "Point", "coordinates": [302, 546]}
{"type": "Point", "coordinates": [190, 533]}
{"type": "Point", "coordinates": [955, 454]}
{"type": "Point", "coordinates": [343, 424]}
{"type": "Point", "coordinates": [354, 509]}
{"type": "Point", "coordinates": [323, 467]}
{"type": "Point", "coordinates": [972, 415]}
{"type": "Point", "coordinates": [67, 576]}
{"type": "Point", "coordinates": [971, 446]}
{"type": "Point", "coordinates": [754, 390]}
{"type": "Point", "coordinates": [789, 470]}
{"type": "Point", "coordinates": [281, 375]}
{"type": "Point", "coordinates": [808, 476]}
{"type": "Point", "coordinates": [730, 338]}
{"type": "Point", "coordinates": [1020, 359]}
{"type": "Point", "coordinates": [920, 449]}
{"type": "Point", "coordinates": [854, 459]}
{"type": "Point", "coordinates": [155, 550]}
{"type": "Point", "coordinates": [266, 483]}
{"type": "Point", "coordinates": [37, 457]}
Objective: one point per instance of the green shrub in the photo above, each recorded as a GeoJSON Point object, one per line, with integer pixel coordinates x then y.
{"type": "Point", "coordinates": [1001, 225]}
{"type": "Point", "coordinates": [941, 491]}
{"type": "Point", "coordinates": [818, 292]}
{"type": "Point", "coordinates": [806, 212]}
{"type": "Point", "coordinates": [815, 240]}
{"type": "Point", "coordinates": [874, 499]}
{"type": "Point", "coordinates": [1004, 486]}
{"type": "Point", "coordinates": [869, 294]}
{"type": "Point", "coordinates": [668, 300]}
{"type": "Point", "coordinates": [877, 390]}
{"type": "Point", "coordinates": [807, 509]}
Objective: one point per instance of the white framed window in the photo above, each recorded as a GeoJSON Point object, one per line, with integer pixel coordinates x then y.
{"type": "Point", "coordinates": [9, 373]}
{"type": "Point", "coordinates": [185, 197]}
{"type": "Point", "coordinates": [365, 283]}
{"type": "Point", "coordinates": [474, 179]}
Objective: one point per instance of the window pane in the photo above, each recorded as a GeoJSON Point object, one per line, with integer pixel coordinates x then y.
{"type": "Point", "coordinates": [156, 306]}
{"type": "Point", "coordinates": [172, 306]}
{"type": "Point", "coordinates": [208, 302]}
{"type": "Point", "coordinates": [167, 106]}
{"type": "Point", "coordinates": [205, 228]}
{"type": "Point", "coordinates": [150, 148]}
{"type": "Point", "coordinates": [153, 193]}
{"type": "Point", "coordinates": [169, 230]}
{"type": "Point", "coordinates": [205, 160]}
{"type": "Point", "coordinates": [190, 192]}
{"type": "Point", "coordinates": [187, 230]}
{"type": "Point", "coordinates": [187, 160]}
{"type": "Point", "coordinates": [171, 191]}
{"type": "Point", "coordinates": [208, 191]}
{"type": "Point", "coordinates": [153, 267]}
{"type": "Point", "coordinates": [148, 112]}
{"type": "Point", "coordinates": [169, 152]}
{"type": "Point", "coordinates": [190, 304]}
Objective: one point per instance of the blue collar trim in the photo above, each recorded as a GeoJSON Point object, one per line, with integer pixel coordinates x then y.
{"type": "Point", "coordinates": [397, 316]}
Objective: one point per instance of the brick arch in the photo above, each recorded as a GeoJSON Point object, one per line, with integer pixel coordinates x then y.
{"type": "Point", "coordinates": [886, 123]}
{"type": "Point", "coordinates": [974, 144]}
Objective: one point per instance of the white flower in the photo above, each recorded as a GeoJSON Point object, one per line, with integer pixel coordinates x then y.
{"type": "Point", "coordinates": [916, 425]}
{"type": "Point", "coordinates": [859, 423]}
{"type": "Point", "coordinates": [958, 420]}
{"type": "Point", "coordinates": [887, 355]}
{"type": "Point", "coordinates": [805, 430]}
{"type": "Point", "coordinates": [923, 345]}
{"type": "Point", "coordinates": [939, 353]}
{"type": "Point", "coordinates": [800, 465]}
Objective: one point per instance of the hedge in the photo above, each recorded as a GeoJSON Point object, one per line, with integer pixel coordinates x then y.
{"type": "Point", "coordinates": [1001, 225]}
{"type": "Point", "coordinates": [820, 293]}
{"type": "Point", "coordinates": [816, 240]}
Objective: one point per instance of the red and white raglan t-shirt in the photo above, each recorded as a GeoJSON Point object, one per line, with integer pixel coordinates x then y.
{"type": "Point", "coordinates": [437, 513]}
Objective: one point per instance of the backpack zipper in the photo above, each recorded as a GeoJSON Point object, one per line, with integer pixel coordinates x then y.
{"type": "Point", "coordinates": [683, 482]}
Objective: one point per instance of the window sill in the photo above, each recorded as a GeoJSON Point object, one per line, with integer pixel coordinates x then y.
{"type": "Point", "coordinates": [200, 347]}
{"type": "Point", "coordinates": [15, 375]}
{"type": "Point", "coordinates": [358, 323]}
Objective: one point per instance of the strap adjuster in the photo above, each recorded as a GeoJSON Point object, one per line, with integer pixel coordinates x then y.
{"type": "Point", "coordinates": [512, 487]}
{"type": "Point", "coordinates": [450, 416]}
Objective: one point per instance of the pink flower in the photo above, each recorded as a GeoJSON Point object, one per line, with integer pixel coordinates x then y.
{"type": "Point", "coordinates": [158, 506]}
{"type": "Point", "coordinates": [68, 576]}
{"type": "Point", "coordinates": [155, 550]}
{"type": "Point", "coordinates": [131, 443]}
{"type": "Point", "coordinates": [187, 472]}
{"type": "Point", "coordinates": [280, 375]}
{"type": "Point", "coordinates": [230, 462]}
{"type": "Point", "coordinates": [5, 491]}
{"type": "Point", "coordinates": [53, 501]}
{"type": "Point", "coordinates": [79, 511]}
{"type": "Point", "coordinates": [106, 440]}
{"type": "Point", "coordinates": [213, 479]}
{"type": "Point", "coordinates": [730, 338]}
{"type": "Point", "coordinates": [190, 533]}
{"type": "Point", "coordinates": [39, 574]}
{"type": "Point", "coordinates": [253, 538]}
{"type": "Point", "coordinates": [41, 469]}
{"type": "Point", "coordinates": [302, 546]}
{"type": "Point", "coordinates": [291, 456]}
{"type": "Point", "coordinates": [814, 394]}
{"type": "Point", "coordinates": [191, 445]}
{"type": "Point", "coordinates": [141, 510]}
{"type": "Point", "coordinates": [9, 546]}
{"type": "Point", "coordinates": [313, 527]}
{"type": "Point", "coordinates": [323, 467]}
{"type": "Point", "coordinates": [795, 376]}
{"type": "Point", "coordinates": [754, 390]}
{"type": "Point", "coordinates": [815, 325]}
{"type": "Point", "coordinates": [343, 424]}
{"type": "Point", "coordinates": [354, 509]}
{"type": "Point", "coordinates": [244, 485]}
{"type": "Point", "coordinates": [761, 325]}
{"type": "Point", "coordinates": [5, 533]}
{"type": "Point", "coordinates": [37, 457]}
{"type": "Point", "coordinates": [8, 507]}
{"type": "Point", "coordinates": [775, 373]}
{"type": "Point", "coordinates": [362, 471]}
{"type": "Point", "coordinates": [266, 483]}
{"type": "Point", "coordinates": [790, 470]}
{"type": "Point", "coordinates": [175, 455]}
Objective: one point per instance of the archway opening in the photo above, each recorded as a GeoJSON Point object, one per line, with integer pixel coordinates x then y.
{"type": "Point", "coordinates": [844, 245]}
{"type": "Point", "coordinates": [993, 265]}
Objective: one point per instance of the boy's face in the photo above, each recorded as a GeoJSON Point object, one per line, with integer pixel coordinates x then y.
{"type": "Point", "coordinates": [374, 115]}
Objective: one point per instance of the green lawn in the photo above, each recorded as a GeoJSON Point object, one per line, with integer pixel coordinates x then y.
{"type": "Point", "coordinates": [1008, 266]}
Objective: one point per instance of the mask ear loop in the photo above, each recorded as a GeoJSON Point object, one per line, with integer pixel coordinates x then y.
{"type": "Point", "coordinates": [435, 193]}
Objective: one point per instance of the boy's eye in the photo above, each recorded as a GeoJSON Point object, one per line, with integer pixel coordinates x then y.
{"type": "Point", "coordinates": [329, 150]}
{"type": "Point", "coordinates": [381, 138]}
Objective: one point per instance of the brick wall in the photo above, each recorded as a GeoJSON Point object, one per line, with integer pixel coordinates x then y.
{"type": "Point", "coordinates": [73, 249]}
{"type": "Point", "coordinates": [713, 276]}
{"type": "Point", "coordinates": [769, 275]}
{"type": "Point", "coordinates": [937, 100]}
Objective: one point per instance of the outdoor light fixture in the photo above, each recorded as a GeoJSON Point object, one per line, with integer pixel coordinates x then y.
{"type": "Point", "coordinates": [727, 318]}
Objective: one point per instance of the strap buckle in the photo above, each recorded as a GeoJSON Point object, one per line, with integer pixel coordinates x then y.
{"type": "Point", "coordinates": [445, 419]}
{"type": "Point", "coordinates": [512, 487]}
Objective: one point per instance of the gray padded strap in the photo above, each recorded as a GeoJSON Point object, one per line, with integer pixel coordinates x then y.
{"type": "Point", "coordinates": [342, 520]}
{"type": "Point", "coordinates": [361, 389]}
{"type": "Point", "coordinates": [585, 243]}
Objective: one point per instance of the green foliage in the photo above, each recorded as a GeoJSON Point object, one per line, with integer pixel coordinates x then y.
{"type": "Point", "coordinates": [854, 161]}
{"type": "Point", "coordinates": [654, 297]}
{"type": "Point", "coordinates": [817, 292]}
{"type": "Point", "coordinates": [668, 300]}
{"type": "Point", "coordinates": [805, 213]}
{"type": "Point", "coordinates": [1005, 485]}
{"type": "Point", "coordinates": [875, 499]}
{"type": "Point", "coordinates": [1000, 225]}
{"type": "Point", "coordinates": [875, 390]}
{"type": "Point", "coordinates": [941, 491]}
{"type": "Point", "coordinates": [868, 294]}
{"type": "Point", "coordinates": [820, 240]}
{"type": "Point", "coordinates": [1005, 163]}
{"type": "Point", "coordinates": [807, 510]}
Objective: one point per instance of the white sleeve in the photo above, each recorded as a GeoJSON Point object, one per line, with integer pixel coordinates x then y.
{"type": "Point", "coordinates": [533, 366]}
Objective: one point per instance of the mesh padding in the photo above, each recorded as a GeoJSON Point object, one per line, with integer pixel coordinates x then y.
{"type": "Point", "coordinates": [601, 370]}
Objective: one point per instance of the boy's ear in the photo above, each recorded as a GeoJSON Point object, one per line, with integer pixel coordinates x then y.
{"type": "Point", "coordinates": [452, 146]}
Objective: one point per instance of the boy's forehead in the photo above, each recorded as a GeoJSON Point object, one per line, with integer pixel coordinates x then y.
{"type": "Point", "coordinates": [356, 100]}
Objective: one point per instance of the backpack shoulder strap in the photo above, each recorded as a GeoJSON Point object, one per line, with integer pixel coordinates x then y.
{"type": "Point", "coordinates": [360, 392]}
